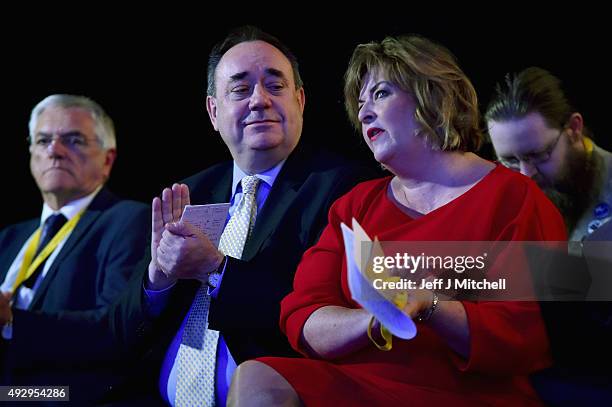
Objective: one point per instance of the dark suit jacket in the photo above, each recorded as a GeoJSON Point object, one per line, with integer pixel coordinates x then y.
{"type": "Point", "coordinates": [247, 308]}
{"type": "Point", "coordinates": [88, 275]}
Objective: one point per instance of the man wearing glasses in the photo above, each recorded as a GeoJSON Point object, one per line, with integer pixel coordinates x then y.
{"type": "Point", "coordinates": [77, 257]}
{"type": "Point", "coordinates": [535, 130]}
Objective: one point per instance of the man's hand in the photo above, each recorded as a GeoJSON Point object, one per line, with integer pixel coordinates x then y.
{"type": "Point", "coordinates": [163, 211]}
{"type": "Point", "coordinates": [6, 313]}
{"type": "Point", "coordinates": [184, 252]}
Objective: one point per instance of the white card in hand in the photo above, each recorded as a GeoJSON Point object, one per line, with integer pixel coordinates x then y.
{"type": "Point", "coordinates": [364, 293]}
{"type": "Point", "coordinates": [209, 219]}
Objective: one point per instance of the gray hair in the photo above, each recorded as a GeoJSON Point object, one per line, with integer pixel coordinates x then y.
{"type": "Point", "coordinates": [104, 127]}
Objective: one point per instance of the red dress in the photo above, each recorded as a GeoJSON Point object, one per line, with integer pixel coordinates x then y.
{"type": "Point", "coordinates": [507, 339]}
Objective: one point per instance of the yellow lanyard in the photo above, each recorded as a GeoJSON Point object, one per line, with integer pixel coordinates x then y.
{"type": "Point", "coordinates": [399, 300]}
{"type": "Point", "coordinates": [588, 146]}
{"type": "Point", "coordinates": [28, 266]}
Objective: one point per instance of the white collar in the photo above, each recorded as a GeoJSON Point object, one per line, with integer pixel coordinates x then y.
{"type": "Point", "coordinates": [268, 176]}
{"type": "Point", "coordinates": [71, 208]}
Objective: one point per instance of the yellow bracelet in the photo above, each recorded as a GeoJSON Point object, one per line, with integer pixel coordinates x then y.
{"type": "Point", "coordinates": [384, 332]}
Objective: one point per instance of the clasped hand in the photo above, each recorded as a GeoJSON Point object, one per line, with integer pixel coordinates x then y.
{"type": "Point", "coordinates": [178, 250]}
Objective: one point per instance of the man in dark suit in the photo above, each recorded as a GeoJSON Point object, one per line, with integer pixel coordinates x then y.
{"type": "Point", "coordinates": [255, 101]}
{"type": "Point", "coordinates": [79, 255]}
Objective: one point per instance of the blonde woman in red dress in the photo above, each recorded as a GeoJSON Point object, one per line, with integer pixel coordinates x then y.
{"type": "Point", "coordinates": [418, 113]}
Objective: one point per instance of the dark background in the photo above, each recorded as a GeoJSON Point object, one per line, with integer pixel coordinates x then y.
{"type": "Point", "coordinates": [148, 70]}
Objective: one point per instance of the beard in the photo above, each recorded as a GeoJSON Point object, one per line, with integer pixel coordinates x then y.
{"type": "Point", "coordinates": [575, 188]}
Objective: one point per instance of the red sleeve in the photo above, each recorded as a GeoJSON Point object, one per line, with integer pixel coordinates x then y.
{"type": "Point", "coordinates": [510, 337]}
{"type": "Point", "coordinates": [317, 280]}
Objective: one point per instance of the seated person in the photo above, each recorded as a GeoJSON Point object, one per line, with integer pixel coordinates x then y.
{"type": "Point", "coordinates": [418, 113]}
{"type": "Point", "coordinates": [535, 130]}
{"type": "Point", "coordinates": [77, 256]}
{"type": "Point", "coordinates": [280, 190]}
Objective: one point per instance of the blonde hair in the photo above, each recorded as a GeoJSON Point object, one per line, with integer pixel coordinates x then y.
{"type": "Point", "coordinates": [446, 102]}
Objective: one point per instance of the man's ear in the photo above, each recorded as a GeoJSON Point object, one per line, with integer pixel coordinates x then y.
{"type": "Point", "coordinates": [301, 98]}
{"type": "Point", "coordinates": [109, 159]}
{"type": "Point", "coordinates": [211, 108]}
{"type": "Point", "coordinates": [576, 126]}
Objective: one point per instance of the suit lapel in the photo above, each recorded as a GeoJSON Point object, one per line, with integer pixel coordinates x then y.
{"type": "Point", "coordinates": [216, 188]}
{"type": "Point", "coordinates": [223, 189]}
{"type": "Point", "coordinates": [101, 202]}
{"type": "Point", "coordinates": [283, 193]}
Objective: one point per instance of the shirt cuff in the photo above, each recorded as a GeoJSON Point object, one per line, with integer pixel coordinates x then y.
{"type": "Point", "coordinates": [215, 291]}
{"type": "Point", "coordinates": [7, 331]}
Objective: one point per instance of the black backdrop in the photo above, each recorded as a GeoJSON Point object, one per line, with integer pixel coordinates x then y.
{"type": "Point", "coordinates": [148, 70]}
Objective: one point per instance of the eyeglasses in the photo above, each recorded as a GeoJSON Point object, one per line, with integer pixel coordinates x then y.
{"type": "Point", "coordinates": [535, 158]}
{"type": "Point", "coordinates": [73, 140]}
